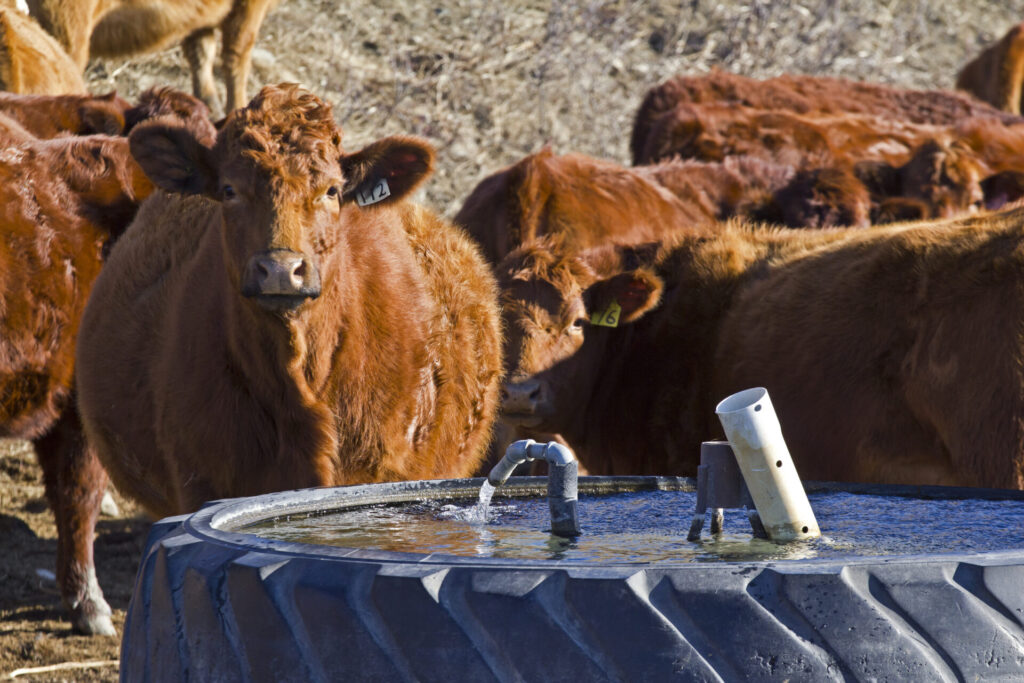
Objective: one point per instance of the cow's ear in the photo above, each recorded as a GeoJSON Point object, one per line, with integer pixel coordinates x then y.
{"type": "Point", "coordinates": [173, 158]}
{"type": "Point", "coordinates": [622, 298]}
{"type": "Point", "coordinates": [881, 178]}
{"type": "Point", "coordinates": [386, 170]}
{"type": "Point", "coordinates": [1002, 188]}
{"type": "Point", "coordinates": [101, 118]}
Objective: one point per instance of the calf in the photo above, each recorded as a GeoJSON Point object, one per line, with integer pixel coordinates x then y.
{"type": "Point", "coordinates": [285, 310]}
{"type": "Point", "coordinates": [120, 28]}
{"type": "Point", "coordinates": [64, 200]}
{"type": "Point", "coordinates": [996, 75]}
{"type": "Point", "coordinates": [802, 94]}
{"type": "Point", "coordinates": [868, 342]}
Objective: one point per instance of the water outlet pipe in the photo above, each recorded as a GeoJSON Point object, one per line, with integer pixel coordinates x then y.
{"type": "Point", "coordinates": [753, 430]}
{"type": "Point", "coordinates": [563, 473]}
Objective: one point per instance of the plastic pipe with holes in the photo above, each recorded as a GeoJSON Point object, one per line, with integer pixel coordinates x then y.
{"type": "Point", "coordinates": [754, 432]}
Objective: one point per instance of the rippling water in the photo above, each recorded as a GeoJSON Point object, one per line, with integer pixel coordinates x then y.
{"type": "Point", "coordinates": [651, 526]}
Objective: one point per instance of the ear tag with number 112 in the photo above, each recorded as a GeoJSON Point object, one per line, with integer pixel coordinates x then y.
{"type": "Point", "coordinates": [609, 317]}
{"type": "Point", "coordinates": [377, 192]}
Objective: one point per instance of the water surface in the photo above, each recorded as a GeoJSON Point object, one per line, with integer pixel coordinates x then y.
{"type": "Point", "coordinates": [651, 526]}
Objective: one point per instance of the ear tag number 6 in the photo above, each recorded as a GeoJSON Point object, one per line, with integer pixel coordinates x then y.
{"type": "Point", "coordinates": [371, 194]}
{"type": "Point", "coordinates": [609, 317]}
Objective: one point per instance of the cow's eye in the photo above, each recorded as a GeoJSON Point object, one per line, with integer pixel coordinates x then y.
{"type": "Point", "coordinates": [578, 324]}
{"type": "Point", "coordinates": [332, 192]}
{"type": "Point", "coordinates": [227, 192]}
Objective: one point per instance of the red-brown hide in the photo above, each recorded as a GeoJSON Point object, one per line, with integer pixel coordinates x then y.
{"type": "Point", "coordinates": [587, 201]}
{"type": "Point", "coordinates": [867, 341]}
{"type": "Point", "coordinates": [64, 200]}
{"type": "Point", "coordinates": [802, 94]}
{"type": "Point", "coordinates": [47, 116]}
{"type": "Point", "coordinates": [996, 75]}
{"type": "Point", "coordinates": [31, 61]}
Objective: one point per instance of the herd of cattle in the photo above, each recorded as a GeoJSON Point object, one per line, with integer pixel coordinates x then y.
{"type": "Point", "coordinates": [203, 309]}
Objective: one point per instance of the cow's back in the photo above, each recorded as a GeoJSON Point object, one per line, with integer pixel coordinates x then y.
{"type": "Point", "coordinates": [893, 356]}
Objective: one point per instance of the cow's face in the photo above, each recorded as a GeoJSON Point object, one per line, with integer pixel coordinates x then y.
{"type": "Point", "coordinates": [822, 198]}
{"type": "Point", "coordinates": [284, 186]}
{"type": "Point", "coordinates": [559, 316]}
{"type": "Point", "coordinates": [946, 177]}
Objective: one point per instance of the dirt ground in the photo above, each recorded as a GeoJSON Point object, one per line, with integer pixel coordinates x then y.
{"type": "Point", "coordinates": [486, 83]}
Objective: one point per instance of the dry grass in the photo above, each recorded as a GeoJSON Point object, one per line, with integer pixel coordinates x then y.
{"type": "Point", "coordinates": [490, 82]}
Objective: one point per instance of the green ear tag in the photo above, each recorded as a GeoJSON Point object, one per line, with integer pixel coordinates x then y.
{"type": "Point", "coordinates": [609, 317]}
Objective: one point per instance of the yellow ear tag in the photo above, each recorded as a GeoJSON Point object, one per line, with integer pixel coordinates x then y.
{"type": "Point", "coordinates": [609, 317]}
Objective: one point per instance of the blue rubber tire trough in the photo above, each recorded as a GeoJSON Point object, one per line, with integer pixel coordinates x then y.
{"type": "Point", "coordinates": [213, 604]}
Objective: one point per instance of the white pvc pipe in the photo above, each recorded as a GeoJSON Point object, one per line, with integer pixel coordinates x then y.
{"type": "Point", "coordinates": [756, 437]}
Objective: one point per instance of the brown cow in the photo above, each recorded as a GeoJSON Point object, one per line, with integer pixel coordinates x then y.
{"type": "Point", "coordinates": [996, 75]}
{"type": "Point", "coordinates": [802, 94]}
{"type": "Point", "coordinates": [31, 61]}
{"type": "Point", "coordinates": [290, 314]}
{"type": "Point", "coordinates": [588, 201]}
{"type": "Point", "coordinates": [64, 200]}
{"type": "Point", "coordinates": [47, 116]}
{"type": "Point", "coordinates": [711, 132]}
{"type": "Point", "coordinates": [119, 28]}
{"type": "Point", "coordinates": [891, 355]}
{"type": "Point", "coordinates": [927, 164]}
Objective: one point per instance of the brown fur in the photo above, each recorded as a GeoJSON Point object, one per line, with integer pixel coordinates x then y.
{"type": "Point", "coordinates": [891, 355]}
{"type": "Point", "coordinates": [802, 94]}
{"type": "Point", "coordinates": [48, 116]}
{"type": "Point", "coordinates": [929, 164]}
{"type": "Point", "coordinates": [31, 61]}
{"type": "Point", "coordinates": [392, 372]}
{"type": "Point", "coordinates": [64, 200]}
{"type": "Point", "coordinates": [996, 75]}
{"type": "Point", "coordinates": [120, 28]}
{"type": "Point", "coordinates": [67, 199]}
{"type": "Point", "coordinates": [587, 201]}
{"type": "Point", "coordinates": [711, 132]}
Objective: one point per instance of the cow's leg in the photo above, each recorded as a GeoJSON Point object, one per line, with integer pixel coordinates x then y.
{"type": "Point", "coordinates": [75, 481]}
{"type": "Point", "coordinates": [201, 50]}
{"type": "Point", "coordinates": [239, 31]}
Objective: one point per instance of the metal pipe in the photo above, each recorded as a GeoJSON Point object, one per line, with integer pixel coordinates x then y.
{"type": "Point", "coordinates": [563, 473]}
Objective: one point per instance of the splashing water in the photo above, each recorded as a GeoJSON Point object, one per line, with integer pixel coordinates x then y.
{"type": "Point", "coordinates": [486, 491]}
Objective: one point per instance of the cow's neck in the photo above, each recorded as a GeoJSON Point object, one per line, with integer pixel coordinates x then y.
{"type": "Point", "coordinates": [351, 357]}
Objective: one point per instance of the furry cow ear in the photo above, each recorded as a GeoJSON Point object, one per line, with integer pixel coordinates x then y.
{"type": "Point", "coordinates": [101, 119]}
{"type": "Point", "coordinates": [1002, 188]}
{"type": "Point", "coordinates": [386, 170]}
{"type": "Point", "coordinates": [622, 298]}
{"type": "Point", "coordinates": [172, 157]}
{"type": "Point", "coordinates": [881, 178]}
